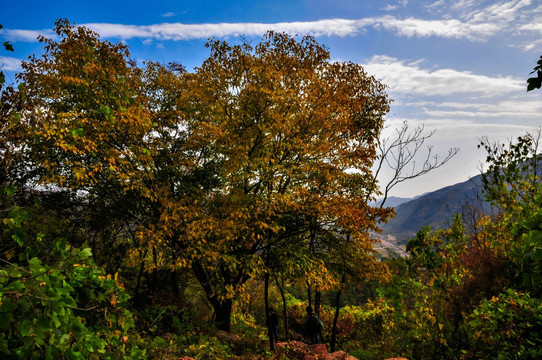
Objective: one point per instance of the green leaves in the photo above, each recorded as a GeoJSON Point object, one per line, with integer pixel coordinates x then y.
{"type": "Point", "coordinates": [535, 82]}
{"type": "Point", "coordinates": [54, 301]}
{"type": "Point", "coordinates": [527, 256]}
{"type": "Point", "coordinates": [8, 46]}
{"type": "Point", "coordinates": [77, 132]}
{"type": "Point", "coordinates": [508, 325]}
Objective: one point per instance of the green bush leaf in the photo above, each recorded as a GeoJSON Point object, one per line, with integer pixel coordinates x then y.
{"type": "Point", "coordinates": [26, 328]}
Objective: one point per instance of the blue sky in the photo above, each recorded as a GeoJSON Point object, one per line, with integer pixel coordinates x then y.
{"type": "Point", "coordinates": [456, 66]}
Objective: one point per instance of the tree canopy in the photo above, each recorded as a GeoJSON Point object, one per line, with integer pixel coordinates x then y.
{"type": "Point", "coordinates": [178, 195]}
{"type": "Point", "coordinates": [260, 148]}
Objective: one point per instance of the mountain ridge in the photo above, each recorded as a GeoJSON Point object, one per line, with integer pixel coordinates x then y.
{"type": "Point", "coordinates": [435, 208]}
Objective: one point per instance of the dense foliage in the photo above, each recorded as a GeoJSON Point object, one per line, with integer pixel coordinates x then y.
{"type": "Point", "coordinates": [153, 212]}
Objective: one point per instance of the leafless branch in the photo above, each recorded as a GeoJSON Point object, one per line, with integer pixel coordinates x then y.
{"type": "Point", "coordinates": [399, 154]}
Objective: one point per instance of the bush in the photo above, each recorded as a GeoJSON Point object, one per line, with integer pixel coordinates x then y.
{"type": "Point", "coordinates": [60, 305]}
{"type": "Point", "coordinates": [508, 326]}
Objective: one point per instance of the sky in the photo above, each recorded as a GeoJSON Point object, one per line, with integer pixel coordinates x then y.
{"type": "Point", "coordinates": [458, 67]}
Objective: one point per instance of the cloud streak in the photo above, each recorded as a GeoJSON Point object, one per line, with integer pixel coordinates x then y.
{"type": "Point", "coordinates": [179, 31]}
{"type": "Point", "coordinates": [409, 78]}
{"type": "Point", "coordinates": [10, 63]}
{"type": "Point", "coordinates": [410, 27]}
{"type": "Point", "coordinates": [459, 20]}
{"type": "Point", "coordinates": [27, 35]}
{"type": "Point", "coordinates": [413, 27]}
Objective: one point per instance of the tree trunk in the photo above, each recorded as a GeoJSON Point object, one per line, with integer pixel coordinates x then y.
{"type": "Point", "coordinates": [174, 285]}
{"type": "Point", "coordinates": [336, 317]}
{"type": "Point", "coordinates": [284, 312]}
{"type": "Point", "coordinates": [154, 272]}
{"type": "Point", "coordinates": [267, 320]}
{"type": "Point", "coordinates": [223, 314]}
{"type": "Point", "coordinates": [312, 230]}
{"type": "Point", "coordinates": [317, 299]}
{"type": "Point", "coordinates": [137, 295]}
{"type": "Point", "coordinates": [309, 295]}
{"type": "Point", "coordinates": [222, 308]}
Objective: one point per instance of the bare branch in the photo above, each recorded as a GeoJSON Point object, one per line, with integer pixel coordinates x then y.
{"type": "Point", "coordinates": [400, 152]}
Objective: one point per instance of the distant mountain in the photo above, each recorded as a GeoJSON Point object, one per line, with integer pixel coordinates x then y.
{"type": "Point", "coordinates": [392, 201]}
{"type": "Point", "coordinates": [436, 209]}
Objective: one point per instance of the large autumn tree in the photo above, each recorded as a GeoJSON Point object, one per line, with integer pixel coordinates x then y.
{"type": "Point", "coordinates": [295, 136]}
{"type": "Point", "coordinates": [261, 149]}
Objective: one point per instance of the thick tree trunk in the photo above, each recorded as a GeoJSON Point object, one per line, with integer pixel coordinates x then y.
{"type": "Point", "coordinates": [223, 314]}
{"type": "Point", "coordinates": [312, 230]}
{"type": "Point", "coordinates": [222, 308]}
{"type": "Point", "coordinates": [154, 273]}
{"type": "Point", "coordinates": [317, 298]}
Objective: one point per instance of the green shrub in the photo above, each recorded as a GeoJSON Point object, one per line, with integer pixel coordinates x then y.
{"type": "Point", "coordinates": [59, 306]}
{"type": "Point", "coordinates": [508, 326]}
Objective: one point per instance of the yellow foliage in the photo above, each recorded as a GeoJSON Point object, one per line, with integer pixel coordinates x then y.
{"type": "Point", "coordinates": [260, 157]}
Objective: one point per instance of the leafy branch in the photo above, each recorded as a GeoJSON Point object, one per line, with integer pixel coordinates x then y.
{"type": "Point", "coordinates": [535, 82]}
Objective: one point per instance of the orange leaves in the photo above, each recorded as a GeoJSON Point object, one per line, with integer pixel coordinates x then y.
{"type": "Point", "coordinates": [259, 149]}
{"type": "Point", "coordinates": [296, 137]}
{"type": "Point", "coordinates": [83, 111]}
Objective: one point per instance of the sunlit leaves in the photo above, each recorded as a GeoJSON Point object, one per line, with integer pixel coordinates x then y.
{"type": "Point", "coordinates": [507, 325]}
{"type": "Point", "coordinates": [259, 149]}
{"type": "Point", "coordinates": [84, 112]}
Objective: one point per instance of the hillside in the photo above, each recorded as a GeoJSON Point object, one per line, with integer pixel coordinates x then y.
{"type": "Point", "coordinates": [436, 209]}
{"type": "Point", "coordinates": [393, 201]}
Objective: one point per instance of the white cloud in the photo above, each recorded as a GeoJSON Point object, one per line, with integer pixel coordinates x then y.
{"type": "Point", "coordinates": [436, 5]}
{"type": "Point", "coordinates": [10, 63]}
{"type": "Point", "coordinates": [400, 4]}
{"type": "Point", "coordinates": [442, 28]}
{"type": "Point", "coordinates": [527, 46]}
{"type": "Point", "coordinates": [178, 31]}
{"type": "Point", "coordinates": [503, 11]}
{"type": "Point", "coordinates": [481, 114]}
{"type": "Point", "coordinates": [463, 19]}
{"type": "Point", "coordinates": [328, 27]}
{"type": "Point", "coordinates": [410, 78]}
{"type": "Point", "coordinates": [521, 108]}
{"type": "Point", "coordinates": [390, 7]}
{"type": "Point", "coordinates": [475, 11]}
{"type": "Point", "coordinates": [464, 5]}
{"type": "Point", "coordinates": [27, 35]}
{"type": "Point", "coordinates": [486, 18]}
{"type": "Point", "coordinates": [119, 30]}
{"type": "Point", "coordinates": [535, 26]}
